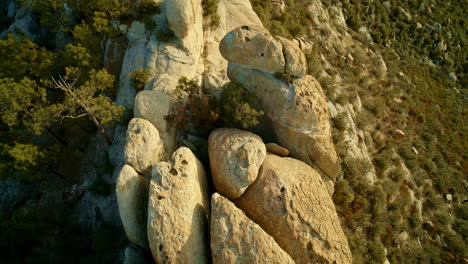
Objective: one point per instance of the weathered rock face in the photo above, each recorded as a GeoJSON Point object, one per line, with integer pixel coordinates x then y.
{"type": "Point", "coordinates": [154, 106]}
{"type": "Point", "coordinates": [233, 14]}
{"type": "Point", "coordinates": [180, 16]}
{"type": "Point", "coordinates": [133, 256]}
{"type": "Point", "coordinates": [290, 202]}
{"type": "Point", "coordinates": [237, 239]}
{"type": "Point", "coordinates": [254, 47]}
{"type": "Point", "coordinates": [235, 158]}
{"type": "Point", "coordinates": [277, 149]}
{"type": "Point", "coordinates": [135, 58]}
{"type": "Point", "coordinates": [178, 210]}
{"type": "Point", "coordinates": [132, 199]}
{"type": "Point", "coordinates": [299, 113]}
{"type": "Point", "coordinates": [295, 60]}
{"type": "Point", "coordinates": [143, 147]}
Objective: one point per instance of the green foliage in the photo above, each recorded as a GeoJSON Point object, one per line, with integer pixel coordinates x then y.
{"type": "Point", "coordinates": [20, 57]}
{"type": "Point", "coordinates": [284, 76]}
{"type": "Point", "coordinates": [140, 78]}
{"type": "Point", "coordinates": [210, 11]}
{"type": "Point", "coordinates": [239, 106]}
{"type": "Point", "coordinates": [199, 111]}
{"type": "Point", "coordinates": [290, 23]}
{"type": "Point", "coordinates": [22, 104]}
{"type": "Point", "coordinates": [196, 107]}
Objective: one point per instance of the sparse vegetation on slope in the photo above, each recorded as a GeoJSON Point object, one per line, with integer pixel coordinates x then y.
{"type": "Point", "coordinates": [406, 212]}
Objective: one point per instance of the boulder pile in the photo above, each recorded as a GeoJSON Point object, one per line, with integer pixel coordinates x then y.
{"type": "Point", "coordinates": [256, 202]}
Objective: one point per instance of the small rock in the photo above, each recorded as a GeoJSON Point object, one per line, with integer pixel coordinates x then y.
{"type": "Point", "coordinates": [235, 158]}
{"type": "Point", "coordinates": [237, 239]}
{"type": "Point", "coordinates": [399, 132]}
{"type": "Point", "coordinates": [277, 149]}
{"type": "Point", "coordinates": [415, 150]}
{"type": "Point", "coordinates": [448, 197]}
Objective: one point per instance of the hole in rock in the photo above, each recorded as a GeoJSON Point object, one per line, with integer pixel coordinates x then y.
{"type": "Point", "coordinates": [262, 54]}
{"type": "Point", "coordinates": [173, 172]}
{"type": "Point", "coordinates": [282, 189]}
{"type": "Point", "coordinates": [247, 39]}
{"type": "Point", "coordinates": [160, 197]}
{"type": "Point", "coordinates": [245, 27]}
{"type": "Point", "coordinates": [160, 247]}
{"type": "Point", "coordinates": [184, 162]}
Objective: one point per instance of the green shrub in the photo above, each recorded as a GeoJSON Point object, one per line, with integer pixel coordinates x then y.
{"type": "Point", "coordinates": [340, 121]}
{"type": "Point", "coordinates": [210, 11]}
{"type": "Point", "coordinates": [240, 106]}
{"type": "Point", "coordinates": [201, 110]}
{"type": "Point", "coordinates": [140, 78]}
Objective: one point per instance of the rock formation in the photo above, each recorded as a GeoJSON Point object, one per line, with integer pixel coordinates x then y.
{"type": "Point", "coordinates": [179, 210]}
{"type": "Point", "coordinates": [298, 109]}
{"type": "Point", "coordinates": [143, 147]}
{"type": "Point", "coordinates": [289, 215]}
{"type": "Point", "coordinates": [235, 158]}
{"type": "Point", "coordinates": [154, 106]}
{"type": "Point", "coordinates": [237, 239]}
{"type": "Point", "coordinates": [132, 199]}
{"type": "Point", "coordinates": [290, 202]}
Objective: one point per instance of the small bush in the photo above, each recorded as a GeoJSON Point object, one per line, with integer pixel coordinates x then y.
{"type": "Point", "coordinates": [210, 11]}
{"type": "Point", "coordinates": [240, 106]}
{"type": "Point", "coordinates": [199, 110]}
{"type": "Point", "coordinates": [140, 78]}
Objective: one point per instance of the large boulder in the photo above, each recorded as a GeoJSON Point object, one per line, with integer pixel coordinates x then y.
{"type": "Point", "coordinates": [132, 200]}
{"type": "Point", "coordinates": [181, 16]}
{"type": "Point", "coordinates": [237, 239]}
{"type": "Point", "coordinates": [178, 210]}
{"type": "Point", "coordinates": [235, 158]}
{"type": "Point", "coordinates": [232, 14]}
{"type": "Point", "coordinates": [143, 148]}
{"type": "Point", "coordinates": [299, 113]}
{"type": "Point", "coordinates": [254, 47]}
{"type": "Point", "coordinates": [290, 202]}
{"type": "Point", "coordinates": [154, 106]}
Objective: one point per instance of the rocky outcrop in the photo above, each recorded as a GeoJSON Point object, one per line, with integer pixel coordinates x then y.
{"type": "Point", "coordinates": [178, 210]}
{"type": "Point", "coordinates": [154, 106]}
{"type": "Point", "coordinates": [299, 113]}
{"type": "Point", "coordinates": [143, 147]}
{"type": "Point", "coordinates": [235, 158]}
{"type": "Point", "coordinates": [132, 199]}
{"type": "Point", "coordinates": [180, 15]}
{"type": "Point", "coordinates": [295, 60]}
{"type": "Point", "coordinates": [290, 202]}
{"type": "Point", "coordinates": [237, 239]}
{"type": "Point", "coordinates": [254, 47]}
{"type": "Point", "coordinates": [232, 14]}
